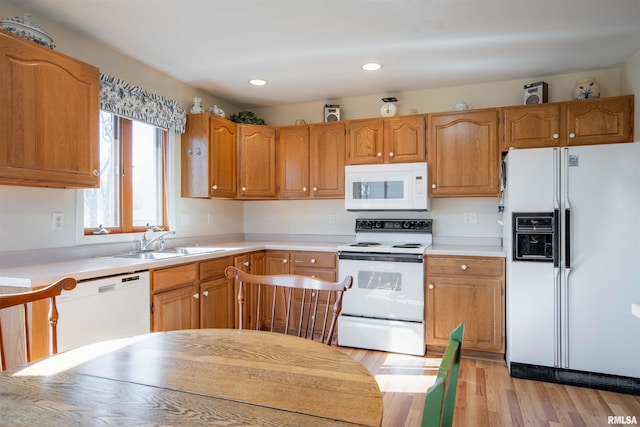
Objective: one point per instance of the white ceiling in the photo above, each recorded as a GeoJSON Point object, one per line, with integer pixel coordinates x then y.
{"type": "Point", "coordinates": [312, 49]}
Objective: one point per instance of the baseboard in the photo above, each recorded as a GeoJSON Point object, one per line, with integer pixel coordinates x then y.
{"type": "Point", "coordinates": [618, 384]}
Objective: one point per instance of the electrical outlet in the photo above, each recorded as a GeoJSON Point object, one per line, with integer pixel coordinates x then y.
{"type": "Point", "coordinates": [210, 218]}
{"type": "Point", "coordinates": [413, 111]}
{"type": "Point", "coordinates": [332, 218]}
{"type": "Point", "coordinates": [185, 219]}
{"type": "Point", "coordinates": [271, 219]}
{"type": "Point", "coordinates": [57, 221]}
{"type": "Point", "coordinates": [470, 218]}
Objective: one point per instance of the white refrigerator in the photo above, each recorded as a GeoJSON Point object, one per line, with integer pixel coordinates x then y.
{"type": "Point", "coordinates": [576, 315]}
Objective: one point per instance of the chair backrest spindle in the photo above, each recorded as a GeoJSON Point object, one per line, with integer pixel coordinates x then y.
{"type": "Point", "coordinates": [292, 302]}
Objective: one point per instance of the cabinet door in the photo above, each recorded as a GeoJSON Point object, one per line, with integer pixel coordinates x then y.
{"type": "Point", "coordinates": [404, 139]}
{"type": "Point", "coordinates": [251, 263]}
{"type": "Point", "coordinates": [194, 157]}
{"type": "Point", "coordinates": [463, 154]}
{"type": "Point", "coordinates": [176, 309]}
{"type": "Point", "coordinates": [327, 160]}
{"type": "Point", "coordinates": [531, 126]}
{"type": "Point", "coordinates": [477, 302]}
{"type": "Point", "coordinates": [49, 117]}
{"type": "Point", "coordinates": [293, 162]}
{"type": "Point", "coordinates": [257, 162]}
{"type": "Point", "coordinates": [217, 303]}
{"type": "Point", "coordinates": [599, 121]}
{"type": "Point", "coordinates": [223, 162]}
{"type": "Point", "coordinates": [276, 262]}
{"type": "Point", "coordinates": [365, 141]}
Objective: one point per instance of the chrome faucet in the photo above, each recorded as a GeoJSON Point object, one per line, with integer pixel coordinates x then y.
{"type": "Point", "coordinates": [144, 243]}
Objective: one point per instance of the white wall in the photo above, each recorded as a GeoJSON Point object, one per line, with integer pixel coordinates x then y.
{"type": "Point", "coordinates": [630, 82]}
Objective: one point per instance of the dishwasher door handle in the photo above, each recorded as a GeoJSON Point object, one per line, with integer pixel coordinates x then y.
{"type": "Point", "coordinates": [106, 288]}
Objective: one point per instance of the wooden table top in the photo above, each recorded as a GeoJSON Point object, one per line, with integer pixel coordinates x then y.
{"type": "Point", "coordinates": [194, 377]}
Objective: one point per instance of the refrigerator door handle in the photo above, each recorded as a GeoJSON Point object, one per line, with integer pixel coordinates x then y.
{"type": "Point", "coordinates": [564, 320]}
{"type": "Point", "coordinates": [556, 318]}
{"type": "Point", "coordinates": [567, 238]}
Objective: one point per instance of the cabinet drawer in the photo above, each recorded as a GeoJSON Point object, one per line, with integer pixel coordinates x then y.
{"type": "Point", "coordinates": [214, 268]}
{"type": "Point", "coordinates": [318, 273]}
{"type": "Point", "coordinates": [466, 266]}
{"type": "Point", "coordinates": [174, 276]}
{"type": "Point", "coordinates": [314, 259]}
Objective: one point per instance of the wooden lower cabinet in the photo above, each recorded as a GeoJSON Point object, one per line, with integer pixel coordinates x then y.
{"type": "Point", "coordinates": [468, 290]}
{"type": "Point", "coordinates": [251, 263]}
{"type": "Point", "coordinates": [321, 265]}
{"type": "Point", "coordinates": [190, 296]}
{"type": "Point", "coordinates": [216, 294]}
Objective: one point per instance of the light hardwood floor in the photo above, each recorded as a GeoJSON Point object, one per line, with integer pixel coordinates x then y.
{"type": "Point", "coordinates": [487, 395]}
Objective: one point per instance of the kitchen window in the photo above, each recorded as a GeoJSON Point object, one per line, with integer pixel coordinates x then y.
{"type": "Point", "coordinates": [131, 197]}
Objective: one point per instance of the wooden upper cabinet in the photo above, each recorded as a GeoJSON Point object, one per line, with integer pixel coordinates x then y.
{"type": "Point", "coordinates": [365, 141]}
{"type": "Point", "coordinates": [49, 118]}
{"type": "Point", "coordinates": [257, 158]}
{"type": "Point", "coordinates": [463, 154]}
{"type": "Point", "coordinates": [531, 126]}
{"type": "Point", "coordinates": [209, 157]}
{"type": "Point", "coordinates": [293, 162]}
{"type": "Point", "coordinates": [223, 159]}
{"type": "Point", "coordinates": [327, 159]}
{"type": "Point", "coordinates": [391, 140]}
{"type": "Point", "coordinates": [194, 157]}
{"type": "Point", "coordinates": [599, 121]}
{"type": "Point", "coordinates": [404, 139]}
{"type": "Point", "coordinates": [584, 122]}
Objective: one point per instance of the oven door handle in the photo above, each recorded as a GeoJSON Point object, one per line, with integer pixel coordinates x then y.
{"type": "Point", "coordinates": [380, 257]}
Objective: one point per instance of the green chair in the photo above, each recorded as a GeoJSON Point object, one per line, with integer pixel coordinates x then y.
{"type": "Point", "coordinates": [441, 397]}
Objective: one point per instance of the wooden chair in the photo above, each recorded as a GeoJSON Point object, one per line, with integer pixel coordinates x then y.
{"type": "Point", "coordinates": [441, 397]}
{"type": "Point", "coordinates": [24, 298]}
{"type": "Point", "coordinates": [291, 304]}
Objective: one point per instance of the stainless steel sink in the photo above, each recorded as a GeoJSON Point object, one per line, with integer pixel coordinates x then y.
{"type": "Point", "coordinates": [194, 250]}
{"type": "Point", "coordinates": [148, 255]}
{"type": "Point", "coordinates": [169, 253]}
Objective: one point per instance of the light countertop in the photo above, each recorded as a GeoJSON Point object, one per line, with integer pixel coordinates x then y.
{"type": "Point", "coordinates": [94, 267]}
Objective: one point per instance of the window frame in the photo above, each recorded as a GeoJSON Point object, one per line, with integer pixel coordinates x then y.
{"type": "Point", "coordinates": [125, 141]}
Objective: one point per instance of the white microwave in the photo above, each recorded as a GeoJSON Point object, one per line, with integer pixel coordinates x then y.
{"type": "Point", "coordinates": [386, 187]}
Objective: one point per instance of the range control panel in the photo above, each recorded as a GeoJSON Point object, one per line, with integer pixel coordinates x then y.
{"type": "Point", "coordinates": [395, 225]}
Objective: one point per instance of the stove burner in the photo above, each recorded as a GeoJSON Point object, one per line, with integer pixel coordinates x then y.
{"type": "Point", "coordinates": [365, 244]}
{"type": "Point", "coordinates": [408, 245]}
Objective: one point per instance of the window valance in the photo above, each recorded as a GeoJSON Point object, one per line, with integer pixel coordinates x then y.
{"type": "Point", "coordinates": [119, 97]}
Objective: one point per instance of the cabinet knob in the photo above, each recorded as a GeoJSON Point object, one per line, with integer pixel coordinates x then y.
{"type": "Point", "coordinates": [556, 136]}
{"type": "Point", "coordinates": [205, 294]}
{"type": "Point", "coordinates": [391, 154]}
{"type": "Point", "coordinates": [572, 135]}
{"type": "Point", "coordinates": [214, 187]}
{"type": "Point", "coordinates": [430, 285]}
{"type": "Point", "coordinates": [313, 261]}
{"type": "Point", "coordinates": [315, 188]}
{"type": "Point", "coordinates": [433, 186]}
{"type": "Point", "coordinates": [379, 154]}
{"type": "Point", "coordinates": [464, 267]}
{"type": "Point", "coordinates": [96, 172]}
{"type": "Point", "coordinates": [304, 188]}
{"type": "Point", "coordinates": [196, 296]}
{"type": "Point", "coordinates": [246, 263]}
{"type": "Point", "coordinates": [284, 261]}
{"type": "Point", "coordinates": [189, 151]}
{"type": "Point", "coordinates": [244, 188]}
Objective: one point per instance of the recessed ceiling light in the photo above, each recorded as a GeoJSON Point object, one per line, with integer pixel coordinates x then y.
{"type": "Point", "coordinates": [371, 66]}
{"type": "Point", "coordinates": [257, 82]}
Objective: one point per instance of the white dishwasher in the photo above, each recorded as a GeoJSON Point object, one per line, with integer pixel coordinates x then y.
{"type": "Point", "coordinates": [103, 309]}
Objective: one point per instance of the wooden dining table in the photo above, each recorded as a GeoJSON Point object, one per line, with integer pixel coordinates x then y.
{"type": "Point", "coordinates": [194, 377]}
